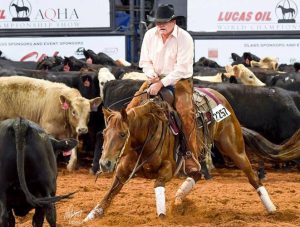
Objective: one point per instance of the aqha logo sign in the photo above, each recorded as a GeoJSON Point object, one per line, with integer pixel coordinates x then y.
{"type": "Point", "coordinates": [286, 11]}
{"type": "Point", "coordinates": [20, 10]}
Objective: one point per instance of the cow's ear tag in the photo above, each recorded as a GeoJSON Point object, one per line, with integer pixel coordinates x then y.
{"type": "Point", "coordinates": [65, 106]}
{"type": "Point", "coordinates": [89, 61]}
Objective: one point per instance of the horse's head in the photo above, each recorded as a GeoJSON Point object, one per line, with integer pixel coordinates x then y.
{"type": "Point", "coordinates": [115, 136]}
{"type": "Point", "coordinates": [125, 130]}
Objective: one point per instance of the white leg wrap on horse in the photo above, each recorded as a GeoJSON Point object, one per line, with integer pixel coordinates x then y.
{"type": "Point", "coordinates": [185, 188]}
{"type": "Point", "coordinates": [264, 196]}
{"type": "Point", "coordinates": [160, 200]}
{"type": "Point", "coordinates": [97, 211]}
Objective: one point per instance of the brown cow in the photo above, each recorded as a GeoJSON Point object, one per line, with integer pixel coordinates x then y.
{"type": "Point", "coordinates": [57, 108]}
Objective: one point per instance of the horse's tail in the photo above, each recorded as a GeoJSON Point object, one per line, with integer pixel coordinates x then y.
{"type": "Point", "coordinates": [273, 152]}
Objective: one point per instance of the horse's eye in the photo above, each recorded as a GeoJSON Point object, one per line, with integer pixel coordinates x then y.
{"type": "Point", "coordinates": [122, 134]}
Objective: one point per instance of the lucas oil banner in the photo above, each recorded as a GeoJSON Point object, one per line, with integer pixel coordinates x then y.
{"type": "Point", "coordinates": [237, 15]}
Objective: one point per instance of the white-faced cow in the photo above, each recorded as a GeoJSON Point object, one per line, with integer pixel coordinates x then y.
{"type": "Point", "coordinates": [57, 108]}
{"type": "Point", "coordinates": [28, 172]}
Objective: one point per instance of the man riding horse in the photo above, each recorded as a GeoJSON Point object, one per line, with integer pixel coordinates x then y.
{"type": "Point", "coordinates": [167, 59]}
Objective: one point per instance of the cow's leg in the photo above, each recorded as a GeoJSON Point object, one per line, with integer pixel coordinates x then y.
{"type": "Point", "coordinates": [164, 174]}
{"type": "Point", "coordinates": [204, 170]}
{"type": "Point", "coordinates": [4, 215]}
{"type": "Point", "coordinates": [73, 160]}
{"type": "Point", "coordinates": [51, 215]}
{"type": "Point", "coordinates": [297, 161]}
{"type": "Point", "coordinates": [261, 169]}
{"type": "Point", "coordinates": [38, 217]}
{"type": "Point", "coordinates": [97, 153]}
{"type": "Point", "coordinates": [11, 219]}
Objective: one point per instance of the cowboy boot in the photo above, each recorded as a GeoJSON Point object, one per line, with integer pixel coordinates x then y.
{"type": "Point", "coordinates": [185, 108]}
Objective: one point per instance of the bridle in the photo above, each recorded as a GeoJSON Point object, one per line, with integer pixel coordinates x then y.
{"type": "Point", "coordinates": [157, 150]}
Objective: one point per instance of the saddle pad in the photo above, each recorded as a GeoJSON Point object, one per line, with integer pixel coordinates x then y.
{"type": "Point", "coordinates": [204, 102]}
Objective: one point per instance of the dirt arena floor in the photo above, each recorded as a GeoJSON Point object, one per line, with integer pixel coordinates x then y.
{"type": "Point", "coordinates": [226, 200]}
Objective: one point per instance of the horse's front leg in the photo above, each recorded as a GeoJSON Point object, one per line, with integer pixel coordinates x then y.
{"type": "Point", "coordinates": [122, 174]}
{"type": "Point", "coordinates": [165, 174]}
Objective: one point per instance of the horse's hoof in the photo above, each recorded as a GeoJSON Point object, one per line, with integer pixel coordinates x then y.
{"type": "Point", "coordinates": [178, 207]}
{"type": "Point", "coordinates": [162, 216]}
{"type": "Point", "coordinates": [178, 202]}
{"type": "Point", "coordinates": [96, 212]}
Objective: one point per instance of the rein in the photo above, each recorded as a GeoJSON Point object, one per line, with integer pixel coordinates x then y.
{"type": "Point", "coordinates": [149, 137]}
{"type": "Point", "coordinates": [128, 98]}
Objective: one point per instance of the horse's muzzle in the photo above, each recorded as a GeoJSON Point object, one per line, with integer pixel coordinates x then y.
{"type": "Point", "coordinates": [107, 165]}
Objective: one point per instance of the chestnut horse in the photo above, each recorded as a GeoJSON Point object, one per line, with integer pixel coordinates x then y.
{"type": "Point", "coordinates": [139, 141]}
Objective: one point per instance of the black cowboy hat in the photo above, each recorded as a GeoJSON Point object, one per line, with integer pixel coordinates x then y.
{"type": "Point", "coordinates": [164, 13]}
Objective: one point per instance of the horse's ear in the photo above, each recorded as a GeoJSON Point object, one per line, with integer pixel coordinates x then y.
{"type": "Point", "coordinates": [106, 112]}
{"type": "Point", "coordinates": [124, 114]}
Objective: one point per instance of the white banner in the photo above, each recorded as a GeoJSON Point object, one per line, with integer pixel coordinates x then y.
{"type": "Point", "coordinates": [42, 14]}
{"type": "Point", "coordinates": [33, 49]}
{"type": "Point", "coordinates": [285, 50]}
{"type": "Point", "coordinates": [236, 15]}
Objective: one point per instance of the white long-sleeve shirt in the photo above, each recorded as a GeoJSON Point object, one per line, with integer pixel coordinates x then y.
{"type": "Point", "coordinates": [173, 59]}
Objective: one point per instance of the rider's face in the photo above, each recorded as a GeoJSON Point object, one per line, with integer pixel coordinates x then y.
{"type": "Point", "coordinates": [165, 28]}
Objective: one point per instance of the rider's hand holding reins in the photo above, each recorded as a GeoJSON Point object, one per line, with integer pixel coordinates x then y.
{"type": "Point", "coordinates": [154, 88]}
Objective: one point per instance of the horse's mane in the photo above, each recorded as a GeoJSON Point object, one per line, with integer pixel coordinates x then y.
{"type": "Point", "coordinates": [153, 109]}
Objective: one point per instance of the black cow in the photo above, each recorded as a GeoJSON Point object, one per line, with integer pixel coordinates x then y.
{"type": "Point", "coordinates": [200, 70]}
{"type": "Point", "coordinates": [245, 59]}
{"type": "Point", "coordinates": [203, 61]}
{"type": "Point", "coordinates": [289, 81]}
{"type": "Point", "coordinates": [54, 63]}
{"type": "Point", "coordinates": [297, 67]}
{"type": "Point", "coordinates": [118, 93]}
{"type": "Point", "coordinates": [6, 63]}
{"type": "Point", "coordinates": [290, 68]}
{"type": "Point", "coordinates": [100, 58]}
{"type": "Point", "coordinates": [271, 111]}
{"type": "Point", "coordinates": [86, 82]}
{"type": "Point", "coordinates": [28, 172]}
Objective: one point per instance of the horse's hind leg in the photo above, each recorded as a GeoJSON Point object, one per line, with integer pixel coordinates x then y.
{"type": "Point", "coordinates": [233, 147]}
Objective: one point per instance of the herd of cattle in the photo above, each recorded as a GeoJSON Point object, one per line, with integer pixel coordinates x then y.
{"type": "Point", "coordinates": [47, 106]}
